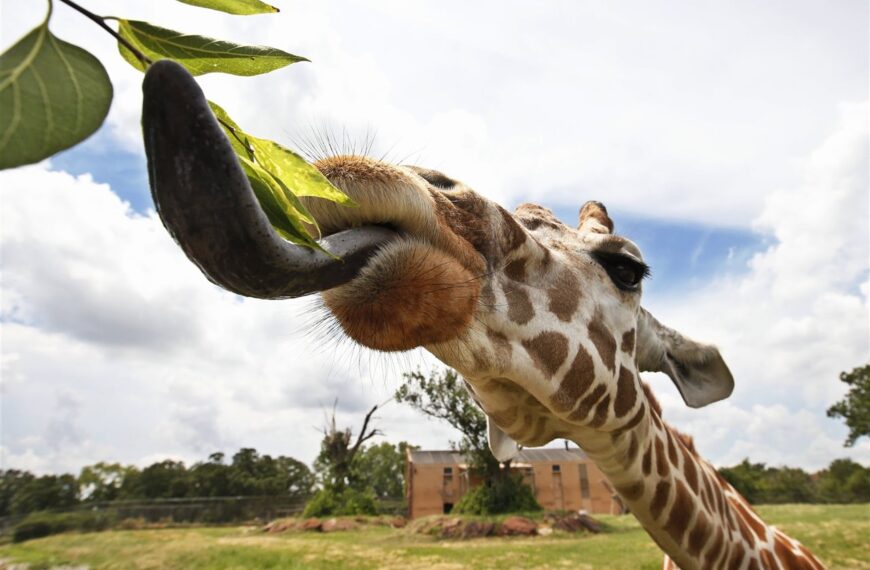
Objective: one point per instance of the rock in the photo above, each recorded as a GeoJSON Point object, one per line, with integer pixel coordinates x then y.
{"type": "Point", "coordinates": [590, 524]}
{"type": "Point", "coordinates": [518, 526]}
{"type": "Point", "coordinates": [477, 529]}
{"type": "Point", "coordinates": [545, 530]}
{"type": "Point", "coordinates": [311, 524]}
{"type": "Point", "coordinates": [333, 525]}
{"type": "Point", "coordinates": [280, 525]}
{"type": "Point", "coordinates": [451, 528]}
{"type": "Point", "coordinates": [574, 522]}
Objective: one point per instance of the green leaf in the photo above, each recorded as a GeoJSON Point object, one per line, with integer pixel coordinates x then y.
{"type": "Point", "coordinates": [237, 7]}
{"type": "Point", "coordinates": [52, 95]}
{"type": "Point", "coordinates": [279, 177]}
{"type": "Point", "coordinates": [199, 54]}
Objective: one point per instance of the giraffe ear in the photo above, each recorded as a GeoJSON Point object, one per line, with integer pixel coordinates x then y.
{"type": "Point", "coordinates": [697, 369]}
{"type": "Point", "coordinates": [502, 446]}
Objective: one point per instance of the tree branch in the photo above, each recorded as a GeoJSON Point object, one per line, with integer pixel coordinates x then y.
{"type": "Point", "coordinates": [101, 21]}
{"type": "Point", "coordinates": [362, 433]}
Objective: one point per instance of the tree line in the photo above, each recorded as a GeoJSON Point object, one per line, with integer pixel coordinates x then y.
{"type": "Point", "coordinates": [375, 473]}
{"type": "Point", "coordinates": [843, 481]}
{"type": "Point", "coordinates": [248, 473]}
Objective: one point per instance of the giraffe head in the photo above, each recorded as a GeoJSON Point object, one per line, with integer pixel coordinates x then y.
{"type": "Point", "coordinates": [542, 319]}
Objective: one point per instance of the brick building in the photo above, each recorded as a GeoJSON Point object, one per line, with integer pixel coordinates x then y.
{"type": "Point", "coordinates": [563, 479]}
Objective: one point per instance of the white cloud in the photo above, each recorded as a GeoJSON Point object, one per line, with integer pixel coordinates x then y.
{"type": "Point", "coordinates": [796, 320]}
{"type": "Point", "coordinates": [683, 114]}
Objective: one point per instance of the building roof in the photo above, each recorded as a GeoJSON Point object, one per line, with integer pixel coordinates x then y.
{"type": "Point", "coordinates": [540, 455]}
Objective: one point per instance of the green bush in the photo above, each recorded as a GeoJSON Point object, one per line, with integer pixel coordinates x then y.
{"type": "Point", "coordinates": [331, 502]}
{"type": "Point", "coordinates": [37, 525]}
{"type": "Point", "coordinates": [506, 494]}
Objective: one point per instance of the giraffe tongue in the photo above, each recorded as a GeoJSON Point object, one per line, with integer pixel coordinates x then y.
{"type": "Point", "coordinates": [206, 202]}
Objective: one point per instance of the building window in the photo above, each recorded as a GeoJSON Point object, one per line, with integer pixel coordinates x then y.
{"type": "Point", "coordinates": [557, 468]}
{"type": "Point", "coordinates": [584, 482]}
{"type": "Point", "coordinates": [448, 479]}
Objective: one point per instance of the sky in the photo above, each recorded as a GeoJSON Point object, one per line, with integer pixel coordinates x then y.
{"type": "Point", "coordinates": [729, 140]}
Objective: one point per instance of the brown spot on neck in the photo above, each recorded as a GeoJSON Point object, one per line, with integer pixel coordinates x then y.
{"type": "Point", "coordinates": [767, 559]}
{"type": "Point", "coordinates": [603, 341]}
{"type": "Point", "coordinates": [632, 491]}
{"type": "Point", "coordinates": [672, 450]}
{"type": "Point", "coordinates": [689, 470]}
{"type": "Point", "coordinates": [516, 270]}
{"type": "Point", "coordinates": [548, 351]}
{"type": "Point", "coordinates": [587, 403]}
{"type": "Point", "coordinates": [738, 553]}
{"type": "Point", "coordinates": [627, 345]}
{"type": "Point", "coordinates": [626, 393]}
{"type": "Point", "coordinates": [661, 460]}
{"type": "Point", "coordinates": [712, 555]}
{"type": "Point", "coordinates": [646, 462]}
{"type": "Point", "coordinates": [500, 343]}
{"type": "Point", "coordinates": [680, 514]}
{"type": "Point", "coordinates": [699, 535]}
{"type": "Point", "coordinates": [651, 398]}
{"type": "Point", "coordinates": [630, 424]}
{"type": "Point", "coordinates": [756, 525]}
{"type": "Point", "coordinates": [520, 308]}
{"type": "Point", "coordinates": [601, 413]}
{"type": "Point", "coordinates": [564, 295]}
{"type": "Point", "coordinates": [660, 499]}
{"type": "Point", "coordinates": [513, 236]}
{"type": "Point", "coordinates": [577, 380]}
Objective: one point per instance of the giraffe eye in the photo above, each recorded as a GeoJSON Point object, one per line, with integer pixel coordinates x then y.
{"type": "Point", "coordinates": [625, 272]}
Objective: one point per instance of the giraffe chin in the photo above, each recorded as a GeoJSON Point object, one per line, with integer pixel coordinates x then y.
{"type": "Point", "coordinates": [409, 294]}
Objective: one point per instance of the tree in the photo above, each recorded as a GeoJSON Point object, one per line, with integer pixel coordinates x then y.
{"type": "Point", "coordinates": [343, 491]}
{"type": "Point", "coordinates": [48, 120]}
{"type": "Point", "coordinates": [211, 478]}
{"type": "Point", "coordinates": [788, 485]}
{"type": "Point", "coordinates": [11, 482]}
{"type": "Point", "coordinates": [443, 396]}
{"type": "Point", "coordinates": [844, 481]}
{"type": "Point", "coordinates": [381, 468]}
{"type": "Point", "coordinates": [163, 480]}
{"type": "Point", "coordinates": [253, 474]}
{"type": "Point", "coordinates": [335, 460]}
{"type": "Point", "coordinates": [46, 492]}
{"type": "Point", "coordinates": [746, 478]}
{"type": "Point", "coordinates": [105, 481]}
{"type": "Point", "coordinates": [855, 407]}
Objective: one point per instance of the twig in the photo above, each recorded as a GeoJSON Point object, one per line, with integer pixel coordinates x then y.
{"type": "Point", "coordinates": [101, 21]}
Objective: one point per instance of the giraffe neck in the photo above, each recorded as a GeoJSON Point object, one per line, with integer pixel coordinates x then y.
{"type": "Point", "coordinates": [693, 514]}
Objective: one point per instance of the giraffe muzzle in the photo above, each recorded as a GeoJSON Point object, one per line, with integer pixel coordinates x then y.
{"type": "Point", "coordinates": [208, 206]}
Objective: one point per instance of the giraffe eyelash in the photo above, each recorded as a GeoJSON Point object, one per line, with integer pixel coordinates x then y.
{"type": "Point", "coordinates": [625, 272]}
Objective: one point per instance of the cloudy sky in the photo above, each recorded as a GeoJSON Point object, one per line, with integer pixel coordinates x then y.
{"type": "Point", "coordinates": [730, 140]}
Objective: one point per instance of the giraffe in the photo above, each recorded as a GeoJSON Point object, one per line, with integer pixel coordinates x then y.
{"type": "Point", "coordinates": [544, 321]}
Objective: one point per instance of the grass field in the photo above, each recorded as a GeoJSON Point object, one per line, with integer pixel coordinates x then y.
{"type": "Point", "coordinates": [840, 535]}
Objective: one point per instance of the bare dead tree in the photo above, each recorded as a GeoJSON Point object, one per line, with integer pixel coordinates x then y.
{"type": "Point", "coordinates": [337, 449]}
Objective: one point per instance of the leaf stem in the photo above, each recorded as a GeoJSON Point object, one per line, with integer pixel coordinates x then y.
{"type": "Point", "coordinates": [100, 21]}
